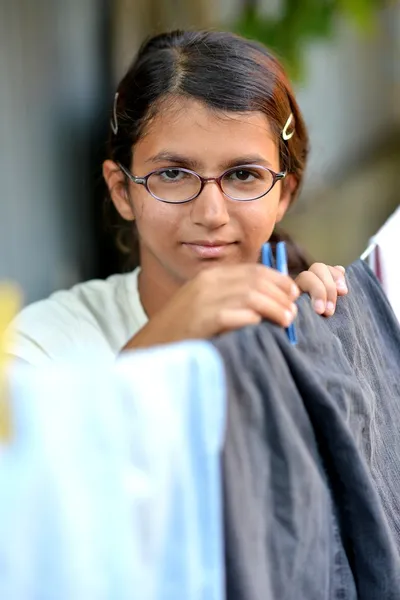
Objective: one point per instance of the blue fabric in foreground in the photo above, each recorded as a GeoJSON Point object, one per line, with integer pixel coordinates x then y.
{"type": "Point", "coordinates": [110, 489]}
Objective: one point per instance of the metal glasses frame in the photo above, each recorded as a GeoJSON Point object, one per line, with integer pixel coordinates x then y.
{"type": "Point", "coordinates": [203, 180]}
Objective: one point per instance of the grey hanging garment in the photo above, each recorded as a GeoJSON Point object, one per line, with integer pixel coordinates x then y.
{"type": "Point", "coordinates": [312, 453]}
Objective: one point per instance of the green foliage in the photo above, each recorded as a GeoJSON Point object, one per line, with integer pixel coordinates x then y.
{"type": "Point", "coordinates": [302, 21]}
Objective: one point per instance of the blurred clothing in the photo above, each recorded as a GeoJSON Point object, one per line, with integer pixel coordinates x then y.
{"type": "Point", "coordinates": [385, 259]}
{"type": "Point", "coordinates": [110, 488]}
{"type": "Point", "coordinates": [95, 318]}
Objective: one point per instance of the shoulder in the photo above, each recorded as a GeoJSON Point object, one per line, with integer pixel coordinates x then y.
{"type": "Point", "coordinates": [97, 316]}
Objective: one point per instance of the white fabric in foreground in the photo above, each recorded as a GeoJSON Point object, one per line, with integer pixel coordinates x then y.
{"type": "Point", "coordinates": [110, 489]}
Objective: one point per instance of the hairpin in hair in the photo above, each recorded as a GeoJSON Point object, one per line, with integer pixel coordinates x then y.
{"type": "Point", "coordinates": [114, 118]}
{"type": "Point", "coordinates": [285, 135]}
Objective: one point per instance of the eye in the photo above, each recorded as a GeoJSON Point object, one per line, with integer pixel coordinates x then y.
{"type": "Point", "coordinates": [172, 175]}
{"type": "Point", "coordinates": [243, 175]}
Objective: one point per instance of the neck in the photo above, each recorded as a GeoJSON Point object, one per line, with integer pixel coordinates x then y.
{"type": "Point", "coordinates": [156, 287]}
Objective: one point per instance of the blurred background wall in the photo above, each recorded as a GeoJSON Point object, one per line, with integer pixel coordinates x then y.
{"type": "Point", "coordinates": [59, 63]}
{"type": "Point", "coordinates": [53, 89]}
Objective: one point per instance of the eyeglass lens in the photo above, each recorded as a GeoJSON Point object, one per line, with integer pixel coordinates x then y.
{"type": "Point", "coordinates": [178, 185]}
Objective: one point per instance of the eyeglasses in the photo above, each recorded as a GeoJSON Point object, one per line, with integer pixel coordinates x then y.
{"type": "Point", "coordinates": [176, 185]}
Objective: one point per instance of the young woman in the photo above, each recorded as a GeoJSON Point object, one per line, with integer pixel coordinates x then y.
{"type": "Point", "coordinates": [207, 152]}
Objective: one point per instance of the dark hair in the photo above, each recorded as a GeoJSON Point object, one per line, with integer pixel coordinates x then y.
{"type": "Point", "coordinates": [225, 72]}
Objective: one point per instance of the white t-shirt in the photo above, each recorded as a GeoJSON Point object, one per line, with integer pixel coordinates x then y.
{"type": "Point", "coordinates": [95, 318]}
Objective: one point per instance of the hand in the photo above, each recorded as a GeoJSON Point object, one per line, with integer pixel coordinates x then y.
{"type": "Point", "coordinates": [324, 284]}
{"type": "Point", "coordinates": [221, 299]}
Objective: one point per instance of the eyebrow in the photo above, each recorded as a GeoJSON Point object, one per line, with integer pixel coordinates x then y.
{"type": "Point", "coordinates": [178, 159]}
{"type": "Point", "coordinates": [193, 164]}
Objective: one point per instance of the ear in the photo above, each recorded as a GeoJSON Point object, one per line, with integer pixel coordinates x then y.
{"type": "Point", "coordinates": [289, 186]}
{"type": "Point", "coordinates": [115, 180]}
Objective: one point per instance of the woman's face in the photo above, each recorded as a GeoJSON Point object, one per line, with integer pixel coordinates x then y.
{"type": "Point", "coordinates": [174, 238]}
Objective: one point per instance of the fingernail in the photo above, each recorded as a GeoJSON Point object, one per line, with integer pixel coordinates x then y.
{"type": "Point", "coordinates": [294, 309]}
{"type": "Point", "coordinates": [341, 285]}
{"type": "Point", "coordinates": [295, 291]}
{"type": "Point", "coordinates": [341, 268]}
{"type": "Point", "coordinates": [288, 317]}
{"type": "Point", "coordinates": [319, 306]}
{"type": "Point", "coordinates": [330, 308]}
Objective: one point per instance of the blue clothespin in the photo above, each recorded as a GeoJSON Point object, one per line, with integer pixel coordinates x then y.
{"type": "Point", "coordinates": [267, 259]}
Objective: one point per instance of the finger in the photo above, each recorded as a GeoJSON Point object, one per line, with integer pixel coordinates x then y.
{"type": "Point", "coordinates": [230, 319]}
{"type": "Point", "coordinates": [241, 294]}
{"type": "Point", "coordinates": [323, 272]}
{"type": "Point", "coordinates": [274, 292]}
{"type": "Point", "coordinates": [311, 284]}
{"type": "Point", "coordinates": [338, 274]}
{"type": "Point", "coordinates": [259, 277]}
{"type": "Point", "coordinates": [268, 308]}
{"type": "Point", "coordinates": [266, 276]}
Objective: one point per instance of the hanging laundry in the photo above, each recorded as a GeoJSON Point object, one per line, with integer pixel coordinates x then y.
{"type": "Point", "coordinates": [312, 453]}
{"type": "Point", "coordinates": [384, 259]}
{"type": "Point", "coordinates": [110, 484]}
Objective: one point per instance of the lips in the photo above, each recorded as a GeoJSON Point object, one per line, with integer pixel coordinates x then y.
{"type": "Point", "coordinates": [208, 249]}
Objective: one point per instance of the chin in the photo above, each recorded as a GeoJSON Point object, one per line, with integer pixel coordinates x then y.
{"type": "Point", "coordinates": [196, 267]}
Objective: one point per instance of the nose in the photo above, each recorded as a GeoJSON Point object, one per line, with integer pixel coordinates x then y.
{"type": "Point", "coordinates": [209, 209]}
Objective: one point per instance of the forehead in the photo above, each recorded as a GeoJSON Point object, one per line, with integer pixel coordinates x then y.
{"type": "Point", "coordinates": [190, 128]}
